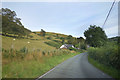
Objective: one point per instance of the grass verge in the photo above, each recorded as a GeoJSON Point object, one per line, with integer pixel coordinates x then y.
{"type": "Point", "coordinates": [33, 68]}
{"type": "Point", "coordinates": [107, 69]}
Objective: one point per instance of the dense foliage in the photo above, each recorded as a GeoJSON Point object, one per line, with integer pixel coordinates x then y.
{"type": "Point", "coordinates": [70, 39]}
{"type": "Point", "coordinates": [95, 36]}
{"type": "Point", "coordinates": [107, 54]}
{"type": "Point", "coordinates": [11, 24]}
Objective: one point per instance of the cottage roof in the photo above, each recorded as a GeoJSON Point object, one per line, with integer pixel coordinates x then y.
{"type": "Point", "coordinates": [68, 45]}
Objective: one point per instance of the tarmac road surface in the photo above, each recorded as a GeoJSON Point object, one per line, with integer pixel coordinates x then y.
{"type": "Point", "coordinates": [75, 67]}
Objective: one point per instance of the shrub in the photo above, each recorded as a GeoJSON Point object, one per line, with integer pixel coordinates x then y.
{"type": "Point", "coordinates": [83, 46]}
{"type": "Point", "coordinates": [49, 38]}
{"type": "Point", "coordinates": [70, 48]}
{"type": "Point", "coordinates": [24, 50]}
{"type": "Point", "coordinates": [43, 52]}
{"type": "Point", "coordinates": [107, 55]}
{"type": "Point", "coordinates": [5, 53]}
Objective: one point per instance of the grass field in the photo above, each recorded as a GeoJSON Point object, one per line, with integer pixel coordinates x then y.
{"type": "Point", "coordinates": [7, 43]}
{"type": "Point", "coordinates": [36, 42]}
{"type": "Point", "coordinates": [42, 55]}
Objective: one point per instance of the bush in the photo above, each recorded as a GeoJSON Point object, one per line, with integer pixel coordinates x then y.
{"type": "Point", "coordinates": [5, 53]}
{"type": "Point", "coordinates": [83, 46]}
{"type": "Point", "coordinates": [24, 50]}
{"type": "Point", "coordinates": [43, 53]}
{"type": "Point", "coordinates": [107, 55]}
{"type": "Point", "coordinates": [72, 49]}
{"type": "Point", "coordinates": [19, 55]}
{"type": "Point", "coordinates": [49, 38]}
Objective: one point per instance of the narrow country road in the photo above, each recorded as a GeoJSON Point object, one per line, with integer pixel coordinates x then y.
{"type": "Point", "coordinates": [75, 67]}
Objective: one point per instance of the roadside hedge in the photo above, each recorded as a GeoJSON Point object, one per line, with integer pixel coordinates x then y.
{"type": "Point", "coordinates": [108, 55]}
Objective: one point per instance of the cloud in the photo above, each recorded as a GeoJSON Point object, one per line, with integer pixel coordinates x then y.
{"type": "Point", "coordinates": [112, 31]}
{"type": "Point", "coordinates": [58, 0]}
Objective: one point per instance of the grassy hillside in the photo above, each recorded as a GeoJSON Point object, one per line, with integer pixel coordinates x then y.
{"type": "Point", "coordinates": [8, 43]}
{"type": "Point", "coordinates": [20, 54]}
{"type": "Point", "coordinates": [36, 42]}
{"type": "Point", "coordinates": [52, 35]}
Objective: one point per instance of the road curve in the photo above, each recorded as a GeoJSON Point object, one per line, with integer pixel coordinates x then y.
{"type": "Point", "coordinates": [75, 67]}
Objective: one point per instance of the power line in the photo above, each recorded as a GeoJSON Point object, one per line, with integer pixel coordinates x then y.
{"type": "Point", "coordinates": [109, 13]}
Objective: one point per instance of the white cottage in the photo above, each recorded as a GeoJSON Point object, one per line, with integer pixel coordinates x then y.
{"type": "Point", "coordinates": [66, 46]}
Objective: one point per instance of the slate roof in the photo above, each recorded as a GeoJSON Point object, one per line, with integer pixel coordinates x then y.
{"type": "Point", "coordinates": [68, 45]}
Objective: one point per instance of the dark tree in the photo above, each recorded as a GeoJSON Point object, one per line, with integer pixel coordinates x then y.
{"type": "Point", "coordinates": [69, 39]}
{"type": "Point", "coordinates": [95, 36]}
{"type": "Point", "coordinates": [63, 41]}
{"type": "Point", "coordinates": [74, 41]}
{"type": "Point", "coordinates": [42, 33]}
{"type": "Point", "coordinates": [11, 24]}
{"type": "Point", "coordinates": [80, 39]}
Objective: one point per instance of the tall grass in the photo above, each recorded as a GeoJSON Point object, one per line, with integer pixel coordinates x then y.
{"type": "Point", "coordinates": [107, 55]}
{"type": "Point", "coordinates": [22, 64]}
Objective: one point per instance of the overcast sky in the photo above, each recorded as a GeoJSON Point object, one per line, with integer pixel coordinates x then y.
{"type": "Point", "coordinates": [71, 18]}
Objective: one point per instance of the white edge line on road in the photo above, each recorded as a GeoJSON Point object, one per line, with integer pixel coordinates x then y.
{"type": "Point", "coordinates": [51, 69]}
{"type": "Point", "coordinates": [45, 73]}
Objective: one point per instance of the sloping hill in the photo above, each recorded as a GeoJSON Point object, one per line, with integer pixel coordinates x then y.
{"type": "Point", "coordinates": [13, 28]}
{"type": "Point", "coordinates": [36, 42]}
{"type": "Point", "coordinates": [53, 34]}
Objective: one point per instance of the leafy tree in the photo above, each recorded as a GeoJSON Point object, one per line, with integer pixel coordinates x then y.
{"type": "Point", "coordinates": [69, 39]}
{"type": "Point", "coordinates": [42, 33]}
{"type": "Point", "coordinates": [63, 41]}
{"type": "Point", "coordinates": [81, 43]}
{"type": "Point", "coordinates": [80, 39]}
{"type": "Point", "coordinates": [11, 24]}
{"type": "Point", "coordinates": [95, 36]}
{"type": "Point", "coordinates": [74, 41]}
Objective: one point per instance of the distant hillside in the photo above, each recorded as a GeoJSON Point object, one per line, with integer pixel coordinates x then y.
{"type": "Point", "coordinates": [11, 24]}
{"type": "Point", "coordinates": [52, 34]}
{"type": "Point", "coordinates": [117, 38]}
